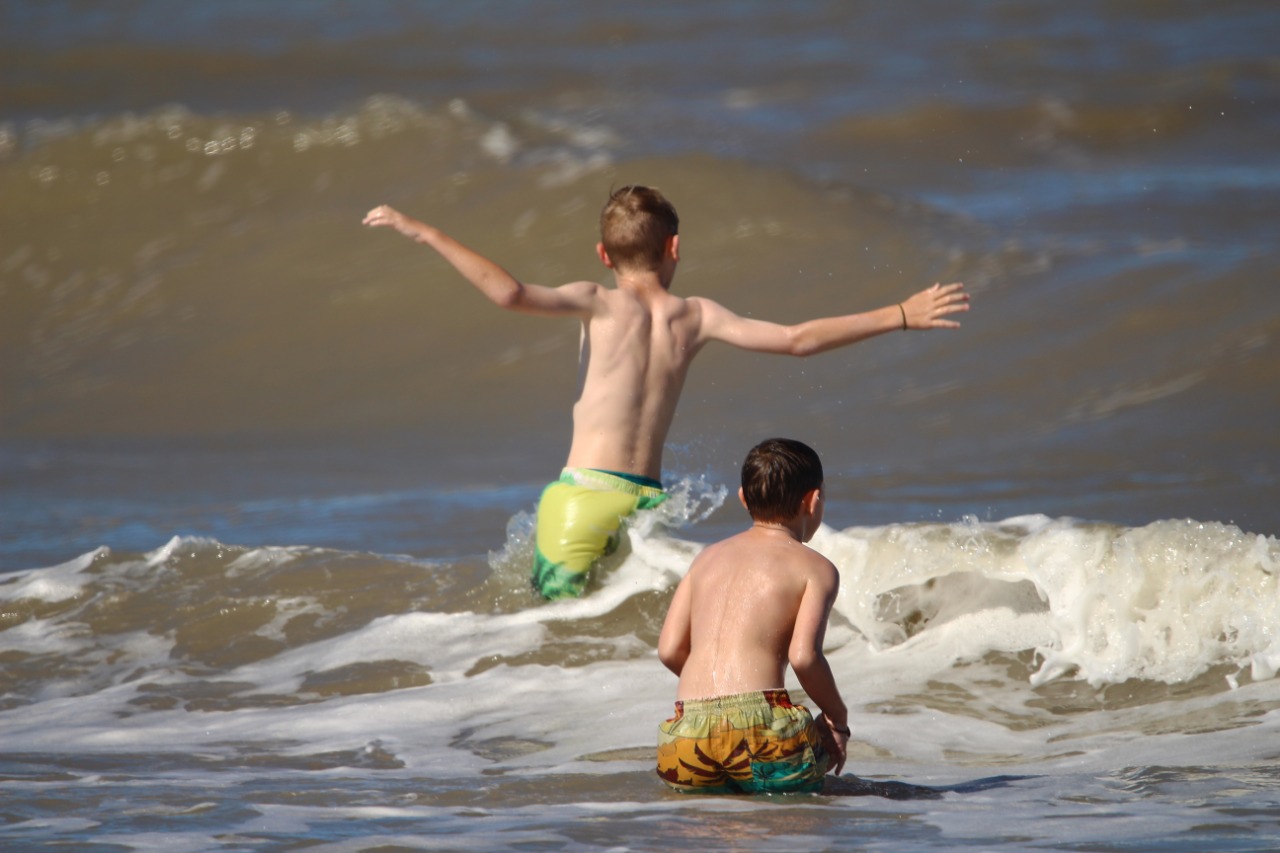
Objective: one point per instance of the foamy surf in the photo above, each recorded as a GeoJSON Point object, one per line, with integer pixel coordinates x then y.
{"type": "Point", "coordinates": [197, 627]}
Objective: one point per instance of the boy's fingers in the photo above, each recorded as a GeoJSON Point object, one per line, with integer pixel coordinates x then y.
{"type": "Point", "coordinates": [379, 215]}
{"type": "Point", "coordinates": [842, 755]}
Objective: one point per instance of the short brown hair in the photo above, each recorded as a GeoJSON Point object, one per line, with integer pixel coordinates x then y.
{"type": "Point", "coordinates": [776, 475]}
{"type": "Point", "coordinates": [635, 224]}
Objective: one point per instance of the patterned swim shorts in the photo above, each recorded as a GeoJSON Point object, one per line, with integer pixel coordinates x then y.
{"type": "Point", "coordinates": [749, 743]}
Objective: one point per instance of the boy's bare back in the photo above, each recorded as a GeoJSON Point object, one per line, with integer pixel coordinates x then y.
{"type": "Point", "coordinates": [638, 342]}
{"type": "Point", "coordinates": [755, 602]}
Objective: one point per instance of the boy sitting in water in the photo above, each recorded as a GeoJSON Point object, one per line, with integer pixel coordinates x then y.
{"type": "Point", "coordinates": [747, 607]}
{"type": "Point", "coordinates": [638, 341]}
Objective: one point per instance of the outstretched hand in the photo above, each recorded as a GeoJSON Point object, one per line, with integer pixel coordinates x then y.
{"type": "Point", "coordinates": [388, 217]}
{"type": "Point", "coordinates": [928, 308]}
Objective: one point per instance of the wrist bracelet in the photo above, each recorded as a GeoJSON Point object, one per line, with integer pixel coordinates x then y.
{"type": "Point", "coordinates": [904, 316]}
{"type": "Point", "coordinates": [844, 730]}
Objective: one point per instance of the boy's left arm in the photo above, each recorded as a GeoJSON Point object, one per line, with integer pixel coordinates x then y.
{"type": "Point", "coordinates": [928, 309]}
{"type": "Point", "coordinates": [810, 664]}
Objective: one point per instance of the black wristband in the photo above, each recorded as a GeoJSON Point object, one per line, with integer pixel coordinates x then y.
{"type": "Point", "coordinates": [845, 730]}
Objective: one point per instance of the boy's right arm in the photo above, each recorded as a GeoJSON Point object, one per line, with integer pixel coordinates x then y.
{"type": "Point", "coordinates": [498, 285]}
{"type": "Point", "coordinates": [674, 641]}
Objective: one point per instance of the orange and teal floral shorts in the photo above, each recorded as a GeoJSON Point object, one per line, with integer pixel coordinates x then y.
{"type": "Point", "coordinates": [748, 743]}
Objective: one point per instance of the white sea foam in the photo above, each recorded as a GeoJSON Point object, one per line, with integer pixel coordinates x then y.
{"type": "Point", "coordinates": [57, 583]}
{"type": "Point", "coordinates": [1163, 602]}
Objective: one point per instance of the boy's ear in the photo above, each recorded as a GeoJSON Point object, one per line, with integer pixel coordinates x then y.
{"type": "Point", "coordinates": [810, 500]}
{"type": "Point", "coordinates": [604, 256]}
{"type": "Point", "coordinates": [673, 247]}
{"type": "Point", "coordinates": [742, 498]}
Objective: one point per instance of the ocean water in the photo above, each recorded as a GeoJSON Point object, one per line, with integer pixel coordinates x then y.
{"type": "Point", "coordinates": [267, 477]}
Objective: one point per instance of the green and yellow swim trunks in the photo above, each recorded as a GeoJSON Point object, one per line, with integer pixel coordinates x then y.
{"type": "Point", "coordinates": [747, 743]}
{"type": "Point", "coordinates": [579, 518]}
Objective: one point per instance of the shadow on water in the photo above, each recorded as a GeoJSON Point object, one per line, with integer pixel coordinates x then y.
{"type": "Point", "coordinates": [853, 786]}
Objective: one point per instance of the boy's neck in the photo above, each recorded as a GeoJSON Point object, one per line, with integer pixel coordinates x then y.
{"type": "Point", "coordinates": [792, 528]}
{"type": "Point", "coordinates": [639, 281]}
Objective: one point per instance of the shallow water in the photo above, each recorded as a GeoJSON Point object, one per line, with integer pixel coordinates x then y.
{"type": "Point", "coordinates": [266, 478]}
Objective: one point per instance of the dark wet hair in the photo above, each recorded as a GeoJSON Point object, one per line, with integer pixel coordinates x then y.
{"type": "Point", "coordinates": [776, 475]}
{"type": "Point", "coordinates": [635, 224]}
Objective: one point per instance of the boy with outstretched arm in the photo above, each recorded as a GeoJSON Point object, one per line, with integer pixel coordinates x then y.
{"type": "Point", "coordinates": [747, 607]}
{"type": "Point", "coordinates": [638, 342]}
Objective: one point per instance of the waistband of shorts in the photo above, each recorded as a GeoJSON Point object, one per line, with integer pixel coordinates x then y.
{"type": "Point", "coordinates": [629, 484]}
{"type": "Point", "coordinates": [775, 698]}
